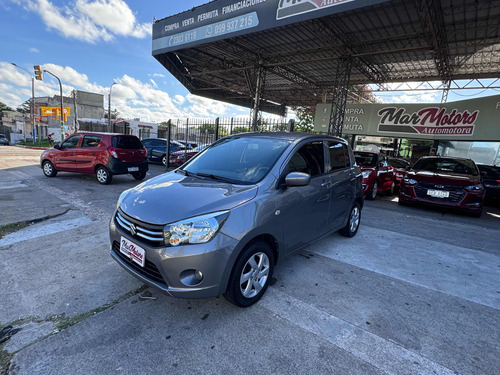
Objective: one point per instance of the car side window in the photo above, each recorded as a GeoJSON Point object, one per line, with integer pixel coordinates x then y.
{"type": "Point", "coordinates": [71, 142]}
{"type": "Point", "coordinates": [91, 141]}
{"type": "Point", "coordinates": [159, 143]}
{"type": "Point", "coordinates": [383, 162]}
{"type": "Point", "coordinates": [146, 142]}
{"type": "Point", "coordinates": [339, 156]}
{"type": "Point", "coordinates": [308, 159]}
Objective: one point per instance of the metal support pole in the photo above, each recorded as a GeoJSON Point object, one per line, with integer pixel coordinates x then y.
{"type": "Point", "coordinates": [339, 100]}
{"type": "Point", "coordinates": [167, 152]}
{"type": "Point", "coordinates": [62, 109]}
{"type": "Point", "coordinates": [109, 104]}
{"type": "Point", "coordinates": [260, 83]}
{"type": "Point", "coordinates": [186, 139]}
{"type": "Point", "coordinates": [216, 128]}
{"type": "Point", "coordinates": [291, 125]}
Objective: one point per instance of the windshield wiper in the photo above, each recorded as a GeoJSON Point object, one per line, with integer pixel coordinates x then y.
{"type": "Point", "coordinates": [215, 177]}
{"type": "Point", "coordinates": [184, 172]}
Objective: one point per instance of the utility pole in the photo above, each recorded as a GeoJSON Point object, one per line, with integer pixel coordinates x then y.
{"type": "Point", "coordinates": [32, 106]}
{"type": "Point", "coordinates": [109, 105]}
{"type": "Point", "coordinates": [62, 109]}
{"type": "Point", "coordinates": [76, 111]}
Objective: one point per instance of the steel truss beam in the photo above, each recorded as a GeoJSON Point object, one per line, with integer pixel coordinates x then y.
{"type": "Point", "coordinates": [256, 111]}
{"type": "Point", "coordinates": [431, 17]}
{"type": "Point", "coordinates": [340, 92]}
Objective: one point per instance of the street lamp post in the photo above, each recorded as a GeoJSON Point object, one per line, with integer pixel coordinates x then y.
{"type": "Point", "coordinates": [109, 105]}
{"type": "Point", "coordinates": [32, 106]}
{"type": "Point", "coordinates": [62, 113]}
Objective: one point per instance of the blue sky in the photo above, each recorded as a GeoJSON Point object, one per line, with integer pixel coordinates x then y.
{"type": "Point", "coordinates": [90, 44]}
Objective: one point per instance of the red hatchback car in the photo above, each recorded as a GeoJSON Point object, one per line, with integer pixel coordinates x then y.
{"type": "Point", "coordinates": [102, 154]}
{"type": "Point", "coordinates": [444, 181]}
{"type": "Point", "coordinates": [378, 175]}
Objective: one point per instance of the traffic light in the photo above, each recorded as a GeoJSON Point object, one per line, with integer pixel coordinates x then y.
{"type": "Point", "coordinates": [38, 72]}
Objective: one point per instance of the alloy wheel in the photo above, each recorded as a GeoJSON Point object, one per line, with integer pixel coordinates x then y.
{"type": "Point", "coordinates": [354, 219]}
{"type": "Point", "coordinates": [254, 275]}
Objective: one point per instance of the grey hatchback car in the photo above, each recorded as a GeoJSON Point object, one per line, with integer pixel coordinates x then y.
{"type": "Point", "coordinates": [220, 223]}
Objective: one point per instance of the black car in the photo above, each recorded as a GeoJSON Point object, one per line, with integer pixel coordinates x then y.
{"type": "Point", "coordinates": [4, 140]}
{"type": "Point", "coordinates": [490, 176]}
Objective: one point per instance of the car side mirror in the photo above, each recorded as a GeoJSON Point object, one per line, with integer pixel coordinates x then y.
{"type": "Point", "coordinates": [57, 146]}
{"type": "Point", "coordinates": [297, 179]}
{"type": "Point", "coordinates": [484, 173]}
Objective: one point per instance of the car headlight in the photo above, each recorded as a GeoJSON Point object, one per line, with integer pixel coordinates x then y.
{"type": "Point", "coordinates": [199, 229]}
{"type": "Point", "coordinates": [409, 181]}
{"type": "Point", "coordinates": [474, 188]}
{"type": "Point", "coordinates": [120, 198]}
{"type": "Point", "coordinates": [366, 174]}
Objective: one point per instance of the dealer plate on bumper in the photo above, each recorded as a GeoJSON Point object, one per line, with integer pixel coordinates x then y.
{"type": "Point", "coordinates": [133, 169]}
{"type": "Point", "coordinates": [136, 253]}
{"type": "Point", "coordinates": [438, 193]}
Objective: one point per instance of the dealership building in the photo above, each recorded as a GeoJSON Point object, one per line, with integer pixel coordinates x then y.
{"type": "Point", "coordinates": [269, 55]}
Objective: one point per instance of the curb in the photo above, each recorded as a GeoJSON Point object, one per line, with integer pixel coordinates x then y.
{"type": "Point", "coordinates": [31, 147]}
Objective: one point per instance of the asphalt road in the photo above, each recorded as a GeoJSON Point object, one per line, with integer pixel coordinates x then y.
{"type": "Point", "coordinates": [417, 291]}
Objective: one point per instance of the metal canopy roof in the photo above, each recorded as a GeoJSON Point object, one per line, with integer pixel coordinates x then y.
{"type": "Point", "coordinates": [392, 41]}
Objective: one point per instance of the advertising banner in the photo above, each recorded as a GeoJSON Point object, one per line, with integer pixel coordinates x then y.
{"type": "Point", "coordinates": [223, 19]}
{"type": "Point", "coordinates": [468, 120]}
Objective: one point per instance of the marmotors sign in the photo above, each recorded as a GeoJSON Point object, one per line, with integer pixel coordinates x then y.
{"type": "Point", "coordinates": [429, 120]}
{"type": "Point", "coordinates": [466, 120]}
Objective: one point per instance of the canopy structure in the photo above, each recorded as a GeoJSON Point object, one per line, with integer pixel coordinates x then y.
{"type": "Point", "coordinates": [269, 54]}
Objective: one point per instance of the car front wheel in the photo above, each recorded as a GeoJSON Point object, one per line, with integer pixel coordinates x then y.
{"type": "Point", "coordinates": [48, 169]}
{"type": "Point", "coordinates": [251, 275]}
{"type": "Point", "coordinates": [164, 160]}
{"type": "Point", "coordinates": [352, 225]}
{"type": "Point", "coordinates": [103, 175]}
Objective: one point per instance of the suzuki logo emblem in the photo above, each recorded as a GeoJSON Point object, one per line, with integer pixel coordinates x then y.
{"type": "Point", "coordinates": [439, 186]}
{"type": "Point", "coordinates": [133, 230]}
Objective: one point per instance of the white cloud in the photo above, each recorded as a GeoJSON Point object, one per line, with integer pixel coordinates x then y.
{"type": "Point", "coordinates": [130, 97]}
{"type": "Point", "coordinates": [157, 75]}
{"type": "Point", "coordinates": [179, 99]}
{"type": "Point", "coordinates": [34, 50]}
{"type": "Point", "coordinates": [153, 82]}
{"type": "Point", "coordinates": [89, 21]}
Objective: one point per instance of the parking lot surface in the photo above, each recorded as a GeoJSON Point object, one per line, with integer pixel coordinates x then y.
{"type": "Point", "coordinates": [417, 291]}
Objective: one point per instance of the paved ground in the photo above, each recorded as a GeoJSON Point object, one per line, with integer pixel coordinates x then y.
{"type": "Point", "coordinates": [417, 291]}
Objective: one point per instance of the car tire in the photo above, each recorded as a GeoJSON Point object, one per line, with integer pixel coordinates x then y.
{"type": "Point", "coordinates": [48, 169]}
{"type": "Point", "coordinates": [352, 225]}
{"type": "Point", "coordinates": [392, 189]}
{"type": "Point", "coordinates": [139, 175]}
{"type": "Point", "coordinates": [164, 160]}
{"type": "Point", "coordinates": [251, 275]}
{"type": "Point", "coordinates": [103, 175]}
{"type": "Point", "coordinates": [373, 192]}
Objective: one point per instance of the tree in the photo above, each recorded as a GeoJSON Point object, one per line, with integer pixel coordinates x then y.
{"type": "Point", "coordinates": [4, 107]}
{"type": "Point", "coordinates": [24, 108]}
{"type": "Point", "coordinates": [240, 129]}
{"type": "Point", "coordinates": [305, 118]}
{"type": "Point", "coordinates": [207, 129]}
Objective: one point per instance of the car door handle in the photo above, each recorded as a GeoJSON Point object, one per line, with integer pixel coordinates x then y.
{"type": "Point", "coordinates": [326, 184]}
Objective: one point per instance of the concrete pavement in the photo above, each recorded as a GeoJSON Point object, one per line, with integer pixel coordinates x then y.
{"type": "Point", "coordinates": [415, 292]}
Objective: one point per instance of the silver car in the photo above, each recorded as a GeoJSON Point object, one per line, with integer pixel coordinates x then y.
{"type": "Point", "coordinates": [221, 222]}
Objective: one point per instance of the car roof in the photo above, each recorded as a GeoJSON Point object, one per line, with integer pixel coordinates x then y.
{"type": "Point", "coordinates": [290, 136]}
{"type": "Point", "coordinates": [104, 134]}
{"type": "Point", "coordinates": [445, 157]}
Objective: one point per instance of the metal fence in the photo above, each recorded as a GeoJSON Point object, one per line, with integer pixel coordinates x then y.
{"type": "Point", "coordinates": [87, 126]}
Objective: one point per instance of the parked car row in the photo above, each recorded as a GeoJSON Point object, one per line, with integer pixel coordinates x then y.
{"type": "Point", "coordinates": [4, 140]}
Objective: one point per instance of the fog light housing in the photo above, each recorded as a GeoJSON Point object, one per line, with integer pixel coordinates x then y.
{"type": "Point", "coordinates": [191, 277]}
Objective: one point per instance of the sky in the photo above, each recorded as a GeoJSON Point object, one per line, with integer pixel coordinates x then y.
{"type": "Point", "coordinates": [89, 44]}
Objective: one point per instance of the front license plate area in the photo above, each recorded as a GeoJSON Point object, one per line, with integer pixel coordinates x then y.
{"type": "Point", "coordinates": [133, 251]}
{"type": "Point", "coordinates": [438, 193]}
{"type": "Point", "coordinates": [133, 169]}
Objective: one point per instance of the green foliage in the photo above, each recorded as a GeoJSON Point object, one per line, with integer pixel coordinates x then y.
{"type": "Point", "coordinates": [207, 129]}
{"type": "Point", "coordinates": [24, 108]}
{"type": "Point", "coordinates": [305, 118]}
{"type": "Point", "coordinates": [4, 107]}
{"type": "Point", "coordinates": [240, 129]}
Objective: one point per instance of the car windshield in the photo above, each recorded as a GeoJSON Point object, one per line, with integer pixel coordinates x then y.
{"type": "Point", "coordinates": [446, 165]}
{"type": "Point", "coordinates": [397, 163]}
{"type": "Point", "coordinates": [366, 159]}
{"type": "Point", "coordinates": [240, 160]}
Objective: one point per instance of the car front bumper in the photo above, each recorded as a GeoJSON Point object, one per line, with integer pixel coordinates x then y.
{"type": "Point", "coordinates": [469, 202]}
{"type": "Point", "coordinates": [166, 267]}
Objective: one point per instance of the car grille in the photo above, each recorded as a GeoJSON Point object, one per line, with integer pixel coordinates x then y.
{"type": "Point", "coordinates": [143, 232]}
{"type": "Point", "coordinates": [457, 193]}
{"type": "Point", "coordinates": [149, 270]}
